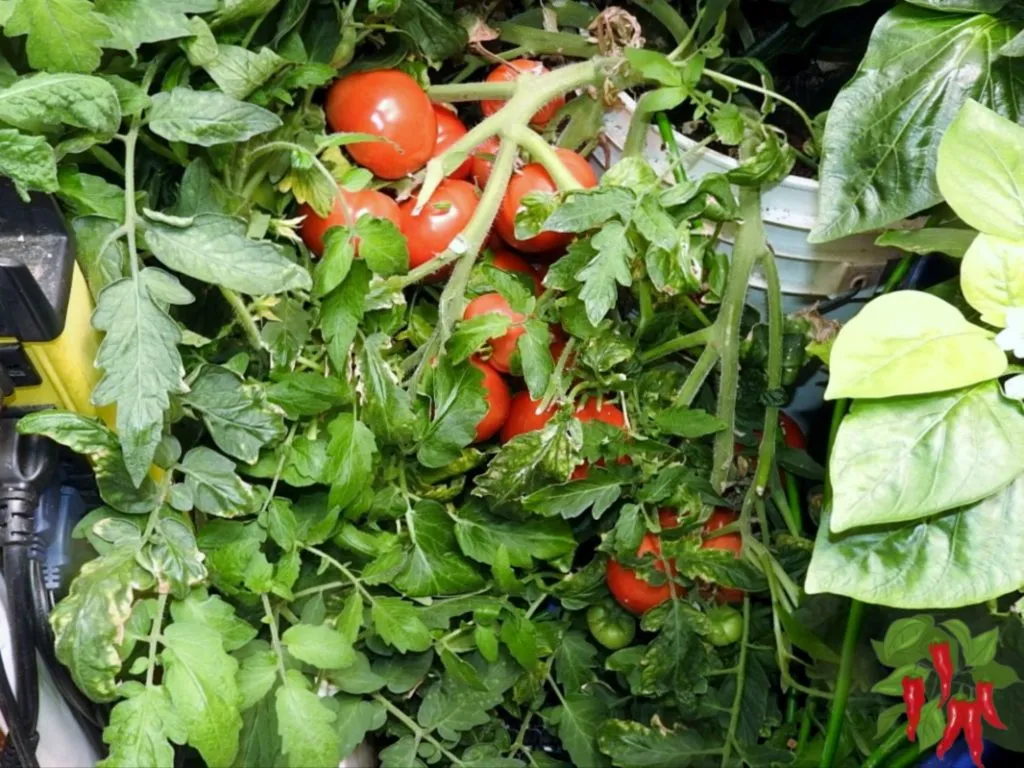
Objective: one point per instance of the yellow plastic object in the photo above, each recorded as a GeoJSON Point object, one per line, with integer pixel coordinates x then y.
{"type": "Point", "coordinates": [66, 364]}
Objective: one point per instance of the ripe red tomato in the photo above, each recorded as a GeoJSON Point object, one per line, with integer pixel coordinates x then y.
{"type": "Point", "coordinates": [348, 204]}
{"type": "Point", "coordinates": [497, 402]}
{"type": "Point", "coordinates": [792, 435]}
{"type": "Point", "coordinates": [523, 416]}
{"type": "Point", "coordinates": [388, 103]}
{"type": "Point", "coordinates": [510, 71]}
{"type": "Point", "coordinates": [510, 262]}
{"type": "Point", "coordinates": [607, 413]}
{"type": "Point", "coordinates": [449, 130]}
{"type": "Point", "coordinates": [731, 542]}
{"type": "Point", "coordinates": [632, 592]}
{"type": "Point", "coordinates": [533, 178]}
{"type": "Point", "coordinates": [441, 220]}
{"type": "Point", "coordinates": [483, 160]}
{"type": "Point", "coordinates": [502, 347]}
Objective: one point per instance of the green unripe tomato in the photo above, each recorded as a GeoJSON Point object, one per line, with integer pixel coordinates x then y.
{"type": "Point", "coordinates": [611, 626]}
{"type": "Point", "coordinates": [726, 625]}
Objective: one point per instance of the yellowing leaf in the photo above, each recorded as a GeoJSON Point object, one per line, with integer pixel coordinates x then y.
{"type": "Point", "coordinates": [992, 276]}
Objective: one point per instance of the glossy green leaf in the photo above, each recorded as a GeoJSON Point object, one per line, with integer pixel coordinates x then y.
{"type": "Point", "coordinates": [992, 276]}
{"type": "Point", "coordinates": [382, 246]}
{"type": "Point", "coordinates": [596, 492]}
{"type": "Point", "coordinates": [89, 622]}
{"type": "Point", "coordinates": [471, 335]}
{"type": "Point", "coordinates": [879, 144]}
{"type": "Point", "coordinates": [28, 161]}
{"type": "Point", "coordinates": [981, 171]}
{"type": "Point", "coordinates": [238, 72]}
{"type": "Point", "coordinates": [306, 725]}
{"type": "Point", "coordinates": [40, 102]}
{"type": "Point", "coordinates": [459, 403]}
{"type": "Point", "coordinates": [952, 242]}
{"type": "Point", "coordinates": [237, 414]}
{"type": "Point", "coordinates": [533, 460]}
{"type": "Point", "coordinates": [200, 679]}
{"type": "Point", "coordinates": [590, 208]}
{"type": "Point", "coordinates": [387, 407]}
{"type": "Point", "coordinates": [216, 250]}
{"type": "Point", "coordinates": [955, 559]}
{"type": "Point", "coordinates": [480, 533]}
{"type": "Point", "coordinates": [212, 611]}
{"type": "Point", "coordinates": [579, 720]}
{"type": "Point", "coordinates": [433, 565]}
{"type": "Point", "coordinates": [319, 645]}
{"type": "Point", "coordinates": [141, 729]}
{"type": "Point", "coordinates": [207, 118]}
{"type": "Point", "coordinates": [911, 457]}
{"type": "Point", "coordinates": [349, 458]}
{"type": "Point", "coordinates": [908, 342]}
{"type": "Point", "coordinates": [609, 269]}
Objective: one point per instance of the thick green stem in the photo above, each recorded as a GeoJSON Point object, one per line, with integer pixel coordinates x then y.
{"type": "Point", "coordinates": [636, 136]}
{"type": "Point", "coordinates": [678, 344]}
{"type": "Point", "coordinates": [698, 374]}
{"type": "Point", "coordinates": [669, 137]}
{"type": "Point", "coordinates": [749, 247]}
{"type": "Point", "coordinates": [837, 716]}
{"type": "Point", "coordinates": [545, 154]}
{"type": "Point", "coordinates": [241, 313]}
{"type": "Point", "coordinates": [275, 640]}
{"type": "Point", "coordinates": [540, 41]}
{"type": "Point", "coordinates": [766, 453]}
{"type": "Point", "coordinates": [741, 674]}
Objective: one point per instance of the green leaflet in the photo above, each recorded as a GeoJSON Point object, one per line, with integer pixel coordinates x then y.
{"type": "Point", "coordinates": [200, 679]}
{"type": "Point", "coordinates": [609, 269]}
{"type": "Point", "coordinates": [320, 645]}
{"type": "Point", "coordinates": [355, 718]}
{"type": "Point", "coordinates": [480, 534]}
{"type": "Point", "coordinates": [306, 725]}
{"type": "Point", "coordinates": [63, 35]}
{"type": "Point", "coordinates": [237, 414]}
{"type": "Point", "coordinates": [215, 249]}
{"type": "Point", "coordinates": [911, 457]}
{"type": "Point", "coordinates": [239, 72]}
{"type": "Point", "coordinates": [173, 558]}
{"type": "Point", "coordinates": [207, 118]}
{"type": "Point", "coordinates": [215, 488]}
{"type": "Point", "coordinates": [632, 745]}
{"type": "Point", "coordinates": [432, 565]}
{"type": "Point", "coordinates": [907, 343]}
{"type": "Point", "coordinates": [399, 625]}
{"type": "Point", "coordinates": [579, 720]}
{"type": "Point", "coordinates": [141, 727]}
{"type": "Point", "coordinates": [349, 458]}
{"type": "Point", "coordinates": [459, 402]}
{"type": "Point", "coordinates": [28, 161]}
{"type": "Point", "coordinates": [212, 611]}
{"type": "Point", "coordinates": [992, 276]}
{"type": "Point", "coordinates": [87, 624]}
{"type": "Point", "coordinates": [532, 460]}
{"type": "Point", "coordinates": [981, 171]}
{"type": "Point", "coordinates": [388, 410]}
{"type": "Point", "coordinates": [952, 242]}
{"type": "Point", "coordinates": [920, 67]}
{"type": "Point", "coordinates": [41, 102]}
{"type": "Point", "coordinates": [959, 558]}
{"type": "Point", "coordinates": [133, 23]}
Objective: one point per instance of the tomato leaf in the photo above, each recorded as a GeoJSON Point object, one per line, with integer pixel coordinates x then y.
{"type": "Point", "coordinates": [306, 725]}
{"type": "Point", "coordinates": [459, 403]}
{"type": "Point", "coordinates": [207, 118]}
{"type": "Point", "coordinates": [141, 727]}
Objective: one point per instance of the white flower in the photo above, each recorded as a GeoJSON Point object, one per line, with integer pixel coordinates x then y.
{"type": "Point", "coordinates": [1014, 387]}
{"type": "Point", "coordinates": [1011, 338]}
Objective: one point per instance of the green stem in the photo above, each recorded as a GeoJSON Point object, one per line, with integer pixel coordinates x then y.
{"type": "Point", "coordinates": [678, 344]}
{"type": "Point", "coordinates": [749, 247]}
{"type": "Point", "coordinates": [806, 721]}
{"type": "Point", "coordinates": [793, 500]}
{"type": "Point", "coordinates": [910, 756]}
{"type": "Point", "coordinates": [837, 716]}
{"type": "Point", "coordinates": [698, 374]}
{"type": "Point", "coordinates": [669, 137]}
{"type": "Point", "coordinates": [455, 92]}
{"type": "Point", "coordinates": [159, 149]}
{"type": "Point", "coordinates": [643, 293]}
{"type": "Point", "coordinates": [545, 154]}
{"type": "Point", "coordinates": [741, 674]}
{"type": "Point", "coordinates": [691, 305]}
{"type": "Point", "coordinates": [245, 320]}
{"type": "Point", "coordinates": [897, 738]}
{"type": "Point", "coordinates": [107, 160]}
{"type": "Point", "coordinates": [636, 136]}
{"type": "Point", "coordinates": [894, 280]}
{"type": "Point", "coordinates": [352, 578]}
{"type": "Point", "coordinates": [413, 726]}
{"type": "Point", "coordinates": [275, 640]}
{"type": "Point", "coordinates": [668, 16]}
{"type": "Point", "coordinates": [727, 79]}
{"type": "Point", "coordinates": [540, 41]}
{"type": "Point", "coordinates": [331, 585]}
{"type": "Point", "coordinates": [154, 636]}
{"type": "Point", "coordinates": [766, 452]}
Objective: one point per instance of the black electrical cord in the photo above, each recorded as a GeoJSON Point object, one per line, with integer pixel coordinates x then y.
{"type": "Point", "coordinates": [18, 580]}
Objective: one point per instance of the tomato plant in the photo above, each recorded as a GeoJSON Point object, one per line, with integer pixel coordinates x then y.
{"type": "Point", "coordinates": [512, 70]}
{"type": "Point", "coordinates": [432, 230]}
{"type": "Point", "coordinates": [389, 104]}
{"type": "Point", "coordinates": [347, 209]}
{"type": "Point", "coordinates": [611, 627]}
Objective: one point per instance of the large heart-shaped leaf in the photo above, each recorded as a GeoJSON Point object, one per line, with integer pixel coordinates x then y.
{"type": "Point", "coordinates": [910, 457]}
{"type": "Point", "coordinates": [908, 343]}
{"type": "Point", "coordinates": [992, 277]}
{"type": "Point", "coordinates": [961, 558]}
{"type": "Point", "coordinates": [880, 144]}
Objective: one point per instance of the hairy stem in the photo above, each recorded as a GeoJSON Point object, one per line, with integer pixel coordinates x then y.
{"type": "Point", "coordinates": [698, 374]}
{"type": "Point", "coordinates": [154, 636]}
{"type": "Point", "coordinates": [766, 453]}
{"type": "Point", "coordinates": [741, 674]}
{"type": "Point", "coordinates": [545, 154]}
{"type": "Point", "coordinates": [275, 640]}
{"type": "Point", "coordinates": [245, 320]}
{"type": "Point", "coordinates": [686, 341]}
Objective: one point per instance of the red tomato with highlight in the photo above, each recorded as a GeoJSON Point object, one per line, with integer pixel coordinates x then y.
{"type": "Point", "coordinates": [441, 220]}
{"type": "Point", "coordinates": [523, 416]}
{"type": "Point", "coordinates": [387, 103]}
{"type": "Point", "coordinates": [731, 542]}
{"type": "Point", "coordinates": [533, 178]}
{"type": "Point", "coordinates": [449, 130]}
{"type": "Point", "coordinates": [512, 70]}
{"type": "Point", "coordinates": [497, 402]}
{"type": "Point", "coordinates": [629, 589]}
{"type": "Point", "coordinates": [347, 210]}
{"type": "Point", "coordinates": [510, 262]}
{"type": "Point", "coordinates": [483, 160]}
{"type": "Point", "coordinates": [502, 347]}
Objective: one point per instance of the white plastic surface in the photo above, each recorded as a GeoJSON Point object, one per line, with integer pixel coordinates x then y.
{"type": "Point", "coordinates": [62, 744]}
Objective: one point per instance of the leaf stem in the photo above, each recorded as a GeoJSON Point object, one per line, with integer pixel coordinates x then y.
{"type": "Point", "coordinates": [729, 80]}
{"type": "Point", "coordinates": [678, 344]}
{"type": "Point", "coordinates": [420, 733]}
{"type": "Point", "coordinates": [320, 588]}
{"type": "Point", "coordinates": [275, 641]}
{"type": "Point", "coordinates": [691, 305]}
{"type": "Point", "coordinates": [766, 451]}
{"type": "Point", "coordinates": [668, 136]}
{"type": "Point", "coordinates": [154, 636]}
{"type": "Point", "coordinates": [837, 715]}
{"type": "Point", "coordinates": [741, 673]}
{"type": "Point", "coordinates": [245, 320]}
{"type": "Point", "coordinates": [698, 374]}
{"type": "Point", "coordinates": [353, 579]}
{"type": "Point", "coordinates": [543, 153]}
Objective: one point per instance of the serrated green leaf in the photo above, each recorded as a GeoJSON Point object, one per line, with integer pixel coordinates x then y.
{"type": "Point", "coordinates": [133, 23]}
{"type": "Point", "coordinates": [207, 118]}
{"type": "Point", "coordinates": [140, 730]}
{"type": "Point", "coordinates": [690, 423]}
{"type": "Point", "coordinates": [471, 335]}
{"type": "Point", "coordinates": [588, 209]}
{"type": "Point", "coordinates": [632, 745]}
{"type": "Point", "coordinates": [211, 611]}
{"type": "Point", "coordinates": [597, 492]}
{"type": "Point", "coordinates": [607, 270]}
{"type": "Point", "coordinates": [215, 249]}
{"type": "Point", "coordinates": [459, 403]}
{"type": "Point", "coordinates": [398, 624]}
{"type": "Point", "coordinates": [480, 534]}
{"type": "Point", "coordinates": [433, 566]}
{"type": "Point", "coordinates": [173, 558]}
{"type": "Point", "coordinates": [257, 674]}
{"type": "Point", "coordinates": [336, 261]}
{"type": "Point", "coordinates": [387, 407]}
{"type": "Point", "coordinates": [382, 246]}
{"type": "Point", "coordinates": [39, 102]}
{"type": "Point", "coordinates": [350, 458]}
{"type": "Point", "coordinates": [320, 645]}
{"type": "Point", "coordinates": [238, 72]}
{"type": "Point", "coordinates": [63, 35]}
{"type": "Point", "coordinates": [216, 488]}
{"type": "Point", "coordinates": [28, 161]}
{"type": "Point", "coordinates": [579, 720]}
{"type": "Point", "coordinates": [306, 725]}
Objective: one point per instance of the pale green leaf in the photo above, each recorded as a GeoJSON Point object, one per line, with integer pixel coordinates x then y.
{"type": "Point", "coordinates": [172, 557]}
{"type": "Point", "coordinates": [398, 624]}
{"type": "Point", "coordinates": [63, 35]}
{"type": "Point", "coordinates": [992, 276]}
{"type": "Point", "coordinates": [239, 72]}
{"type": "Point", "coordinates": [212, 611]}
{"type": "Point", "coordinates": [91, 234]}
{"type": "Point", "coordinates": [140, 730]}
{"type": "Point", "coordinates": [28, 161]}
{"type": "Point", "coordinates": [306, 725]}
{"type": "Point", "coordinates": [215, 487]}
{"type": "Point", "coordinates": [480, 534]}
{"type": "Point", "coordinates": [956, 559]}
{"type": "Point", "coordinates": [349, 458]}
{"type": "Point", "coordinates": [207, 118]}
{"type": "Point", "coordinates": [320, 645]}
{"type": "Point", "coordinates": [85, 194]}
{"type": "Point", "coordinates": [257, 674]}
{"type": "Point", "coordinates": [606, 271]}
{"type": "Point", "coordinates": [133, 23]}
{"type": "Point", "coordinates": [141, 368]}
{"type": "Point", "coordinates": [588, 209]}
{"type": "Point", "coordinates": [981, 171]}
{"type": "Point", "coordinates": [910, 342]}
{"type": "Point", "coordinates": [42, 101]}
{"type": "Point", "coordinates": [433, 566]}
{"type": "Point", "coordinates": [952, 242]}
{"type": "Point", "coordinates": [215, 249]}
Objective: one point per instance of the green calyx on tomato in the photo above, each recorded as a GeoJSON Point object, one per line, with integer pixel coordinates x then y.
{"type": "Point", "coordinates": [610, 625]}
{"type": "Point", "coordinates": [726, 625]}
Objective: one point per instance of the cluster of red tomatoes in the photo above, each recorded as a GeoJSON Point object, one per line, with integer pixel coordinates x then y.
{"type": "Point", "coordinates": [391, 104]}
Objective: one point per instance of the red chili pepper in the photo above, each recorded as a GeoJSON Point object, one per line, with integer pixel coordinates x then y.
{"type": "Point", "coordinates": [956, 716]}
{"type": "Point", "coordinates": [943, 666]}
{"type": "Point", "coordinates": [913, 696]}
{"type": "Point", "coordinates": [983, 691]}
{"type": "Point", "coordinates": [972, 730]}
